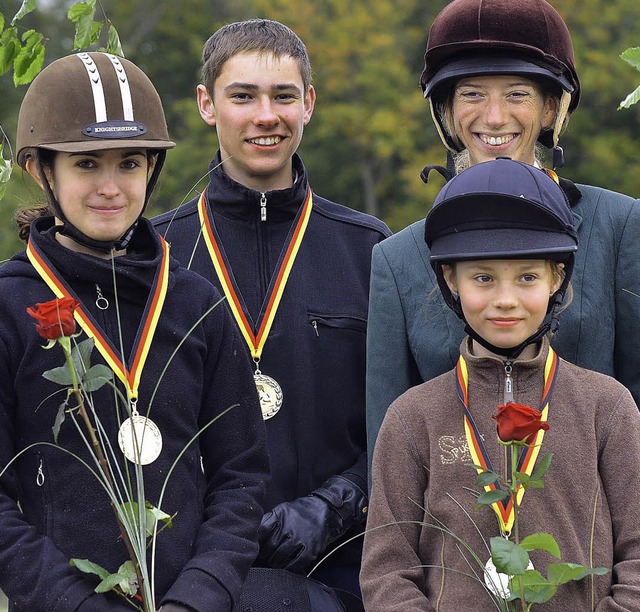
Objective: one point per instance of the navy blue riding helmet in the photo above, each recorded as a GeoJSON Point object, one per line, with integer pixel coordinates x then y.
{"type": "Point", "coordinates": [502, 209]}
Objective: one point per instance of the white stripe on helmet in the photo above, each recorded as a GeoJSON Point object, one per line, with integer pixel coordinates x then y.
{"type": "Point", "coordinates": [125, 91]}
{"type": "Point", "coordinates": [99, 101]}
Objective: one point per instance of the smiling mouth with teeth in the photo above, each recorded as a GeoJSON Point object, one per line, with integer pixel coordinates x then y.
{"type": "Point", "coordinates": [266, 140]}
{"type": "Point", "coordinates": [496, 140]}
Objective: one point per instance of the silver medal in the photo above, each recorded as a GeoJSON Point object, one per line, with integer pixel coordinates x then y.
{"type": "Point", "coordinates": [497, 582]}
{"type": "Point", "coordinates": [140, 439]}
{"type": "Point", "coordinates": [270, 395]}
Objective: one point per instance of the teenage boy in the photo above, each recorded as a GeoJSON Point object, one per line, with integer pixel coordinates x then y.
{"type": "Point", "coordinates": [295, 271]}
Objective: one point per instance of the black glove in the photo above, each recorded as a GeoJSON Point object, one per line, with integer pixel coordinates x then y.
{"type": "Point", "coordinates": [295, 533]}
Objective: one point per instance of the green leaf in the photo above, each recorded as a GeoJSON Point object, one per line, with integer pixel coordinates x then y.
{"type": "Point", "coordinates": [129, 580]}
{"type": "Point", "coordinates": [632, 56]}
{"type": "Point", "coordinates": [96, 27]}
{"type": "Point", "coordinates": [60, 416]}
{"type": "Point", "coordinates": [5, 172]}
{"type": "Point", "coordinates": [152, 515]}
{"type": "Point", "coordinates": [81, 9]}
{"type": "Point", "coordinates": [542, 467]}
{"type": "Point", "coordinates": [534, 484]}
{"type": "Point", "coordinates": [536, 588]}
{"type": "Point", "coordinates": [155, 515]}
{"type": "Point", "coordinates": [60, 375]}
{"type": "Point", "coordinates": [541, 541]}
{"type": "Point", "coordinates": [9, 48]}
{"type": "Point", "coordinates": [486, 478]}
{"type": "Point", "coordinates": [489, 497]}
{"type": "Point", "coordinates": [82, 13]}
{"type": "Point", "coordinates": [124, 579]}
{"type": "Point", "coordinates": [631, 99]}
{"type": "Point", "coordinates": [561, 573]}
{"type": "Point", "coordinates": [1, 22]}
{"type": "Point", "coordinates": [109, 583]}
{"type": "Point", "coordinates": [29, 60]}
{"type": "Point", "coordinates": [509, 558]}
{"type": "Point", "coordinates": [88, 567]}
{"type": "Point", "coordinates": [25, 9]}
{"type": "Point", "coordinates": [526, 482]}
{"type": "Point", "coordinates": [114, 45]}
{"type": "Point", "coordinates": [81, 355]}
{"type": "Point", "coordinates": [96, 377]}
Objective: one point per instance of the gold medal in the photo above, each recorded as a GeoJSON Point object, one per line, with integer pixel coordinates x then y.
{"type": "Point", "coordinates": [140, 439]}
{"type": "Point", "coordinates": [270, 394]}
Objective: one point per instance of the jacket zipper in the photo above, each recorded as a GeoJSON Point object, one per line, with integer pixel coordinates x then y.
{"type": "Point", "coordinates": [101, 302]}
{"type": "Point", "coordinates": [508, 382]}
{"type": "Point", "coordinates": [508, 397]}
{"type": "Point", "coordinates": [40, 474]}
{"type": "Point", "coordinates": [263, 207]}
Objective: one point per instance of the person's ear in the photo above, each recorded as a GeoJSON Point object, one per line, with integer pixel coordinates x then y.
{"type": "Point", "coordinates": [558, 277]}
{"type": "Point", "coordinates": [309, 104]}
{"type": "Point", "coordinates": [551, 106]}
{"type": "Point", "coordinates": [32, 169]}
{"type": "Point", "coordinates": [448, 272]}
{"type": "Point", "coordinates": [206, 106]}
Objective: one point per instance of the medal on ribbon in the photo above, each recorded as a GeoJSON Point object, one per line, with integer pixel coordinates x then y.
{"type": "Point", "coordinates": [504, 509]}
{"type": "Point", "coordinates": [139, 438]}
{"type": "Point", "coordinates": [269, 391]}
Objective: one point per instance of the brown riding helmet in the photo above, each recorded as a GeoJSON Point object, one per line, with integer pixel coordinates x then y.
{"type": "Point", "coordinates": [91, 101]}
{"type": "Point", "coordinates": [484, 37]}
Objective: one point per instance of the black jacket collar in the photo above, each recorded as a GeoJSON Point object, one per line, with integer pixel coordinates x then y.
{"type": "Point", "coordinates": [232, 199]}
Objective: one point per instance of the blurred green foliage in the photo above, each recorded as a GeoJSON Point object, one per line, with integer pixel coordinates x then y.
{"type": "Point", "coordinates": [371, 133]}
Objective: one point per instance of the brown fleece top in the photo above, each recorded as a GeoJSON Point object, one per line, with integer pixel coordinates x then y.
{"type": "Point", "coordinates": [590, 501]}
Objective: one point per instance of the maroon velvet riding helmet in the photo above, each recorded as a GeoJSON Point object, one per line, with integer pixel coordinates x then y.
{"type": "Point", "coordinates": [484, 37]}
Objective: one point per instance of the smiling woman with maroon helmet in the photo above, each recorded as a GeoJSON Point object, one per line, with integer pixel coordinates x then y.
{"type": "Point", "coordinates": [501, 80]}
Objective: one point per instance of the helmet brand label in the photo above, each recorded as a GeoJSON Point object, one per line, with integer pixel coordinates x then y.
{"type": "Point", "coordinates": [115, 129]}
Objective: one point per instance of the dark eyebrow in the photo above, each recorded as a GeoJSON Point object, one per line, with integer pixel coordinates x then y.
{"type": "Point", "coordinates": [254, 87]}
{"type": "Point", "coordinates": [515, 82]}
{"type": "Point", "coordinates": [100, 152]}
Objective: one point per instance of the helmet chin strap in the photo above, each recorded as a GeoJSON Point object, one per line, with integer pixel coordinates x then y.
{"type": "Point", "coordinates": [550, 326]}
{"type": "Point", "coordinates": [71, 231]}
{"type": "Point", "coordinates": [105, 246]}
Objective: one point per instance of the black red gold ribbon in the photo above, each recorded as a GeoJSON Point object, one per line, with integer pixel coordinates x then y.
{"type": "Point", "coordinates": [255, 339]}
{"type": "Point", "coordinates": [130, 377]}
{"type": "Point", "coordinates": [528, 455]}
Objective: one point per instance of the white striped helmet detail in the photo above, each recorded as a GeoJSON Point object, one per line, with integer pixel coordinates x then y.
{"type": "Point", "coordinates": [91, 101]}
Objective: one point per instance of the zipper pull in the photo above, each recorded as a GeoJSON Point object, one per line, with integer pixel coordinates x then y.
{"type": "Point", "coordinates": [40, 475]}
{"type": "Point", "coordinates": [508, 382]}
{"type": "Point", "coordinates": [314, 324]}
{"type": "Point", "coordinates": [263, 207]}
{"type": "Point", "coordinates": [101, 302]}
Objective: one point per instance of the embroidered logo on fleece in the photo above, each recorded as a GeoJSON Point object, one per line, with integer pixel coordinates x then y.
{"type": "Point", "coordinates": [454, 450]}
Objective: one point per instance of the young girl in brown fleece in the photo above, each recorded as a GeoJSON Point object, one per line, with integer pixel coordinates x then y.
{"type": "Point", "coordinates": [502, 248]}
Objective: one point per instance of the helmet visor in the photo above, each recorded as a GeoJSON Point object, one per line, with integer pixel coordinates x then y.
{"type": "Point", "coordinates": [484, 65]}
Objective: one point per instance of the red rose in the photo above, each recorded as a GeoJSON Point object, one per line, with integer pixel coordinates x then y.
{"type": "Point", "coordinates": [517, 423]}
{"type": "Point", "coordinates": [55, 318]}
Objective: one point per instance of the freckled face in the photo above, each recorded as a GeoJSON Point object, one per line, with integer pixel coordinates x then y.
{"type": "Point", "coordinates": [259, 108]}
{"type": "Point", "coordinates": [503, 301]}
{"type": "Point", "coordinates": [501, 115]}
